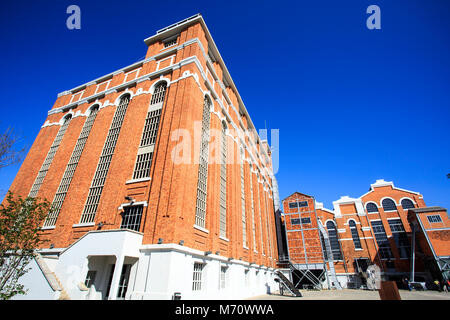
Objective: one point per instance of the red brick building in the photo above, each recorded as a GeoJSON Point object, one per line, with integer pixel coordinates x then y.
{"type": "Point", "coordinates": [162, 152]}
{"type": "Point", "coordinates": [375, 229]}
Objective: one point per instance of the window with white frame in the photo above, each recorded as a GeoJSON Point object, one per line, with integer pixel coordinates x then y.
{"type": "Point", "coordinates": [434, 218]}
{"type": "Point", "coordinates": [253, 209]}
{"type": "Point", "coordinates": [131, 217]}
{"type": "Point", "coordinates": [200, 210]}
{"type": "Point", "coordinates": [223, 277]}
{"type": "Point", "coordinates": [49, 158]}
{"type": "Point", "coordinates": [63, 188]}
{"type": "Point", "coordinates": [355, 235]}
{"type": "Point", "coordinates": [244, 220]}
{"type": "Point", "coordinates": [96, 189]}
{"type": "Point", "coordinates": [223, 183]}
{"type": "Point", "coordinates": [150, 132]}
{"type": "Point", "coordinates": [388, 205]}
{"type": "Point", "coordinates": [371, 207]}
{"type": "Point", "coordinates": [197, 280]}
{"type": "Point", "coordinates": [400, 237]}
{"type": "Point", "coordinates": [247, 277]}
{"type": "Point", "coordinates": [407, 204]}
{"type": "Point", "coordinates": [170, 42]}
{"type": "Point", "coordinates": [334, 241]}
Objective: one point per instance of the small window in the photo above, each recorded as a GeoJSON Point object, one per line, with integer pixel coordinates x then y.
{"type": "Point", "coordinates": [170, 42]}
{"type": "Point", "coordinates": [371, 207]}
{"type": "Point", "coordinates": [298, 204]}
{"type": "Point", "coordinates": [306, 220]}
{"type": "Point", "coordinates": [90, 278]}
{"type": "Point", "coordinates": [223, 277]}
{"type": "Point", "coordinates": [407, 204]}
{"type": "Point", "coordinates": [132, 218]}
{"type": "Point", "coordinates": [434, 218]}
{"type": "Point", "coordinates": [197, 276]}
{"type": "Point", "coordinates": [295, 221]}
{"type": "Point", "coordinates": [388, 205]}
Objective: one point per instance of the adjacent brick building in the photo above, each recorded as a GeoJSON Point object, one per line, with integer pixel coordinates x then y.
{"type": "Point", "coordinates": [376, 229]}
{"type": "Point", "coordinates": [160, 182]}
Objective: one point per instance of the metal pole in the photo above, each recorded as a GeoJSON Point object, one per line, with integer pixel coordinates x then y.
{"type": "Point", "coordinates": [413, 251]}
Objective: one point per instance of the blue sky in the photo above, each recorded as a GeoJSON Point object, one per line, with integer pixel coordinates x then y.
{"type": "Point", "coordinates": [352, 105]}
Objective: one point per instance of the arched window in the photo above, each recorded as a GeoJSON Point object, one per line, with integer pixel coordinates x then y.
{"type": "Point", "coordinates": [407, 204]}
{"type": "Point", "coordinates": [371, 207]}
{"type": "Point", "coordinates": [49, 158]}
{"type": "Point", "coordinates": [96, 189]}
{"type": "Point", "coordinates": [223, 182]}
{"type": "Point", "coordinates": [200, 210]}
{"type": "Point", "coordinates": [355, 236]}
{"type": "Point", "coordinates": [334, 242]}
{"type": "Point", "coordinates": [388, 205]}
{"type": "Point", "coordinates": [149, 134]}
{"type": "Point", "coordinates": [63, 188]}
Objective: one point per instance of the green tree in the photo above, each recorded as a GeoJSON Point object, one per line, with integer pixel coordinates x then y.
{"type": "Point", "coordinates": [20, 234]}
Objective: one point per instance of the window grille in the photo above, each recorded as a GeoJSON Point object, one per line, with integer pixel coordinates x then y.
{"type": "Point", "coordinates": [131, 218]}
{"type": "Point", "coordinates": [355, 235]}
{"type": "Point", "coordinates": [334, 242]}
{"type": "Point", "coordinates": [371, 207]}
{"type": "Point", "coordinates": [95, 191]}
{"type": "Point", "coordinates": [298, 204]}
{"type": "Point", "coordinates": [244, 220]}
{"type": "Point", "coordinates": [407, 204]}
{"type": "Point", "coordinates": [253, 209]}
{"type": "Point", "coordinates": [223, 277]}
{"type": "Point", "coordinates": [197, 276]}
{"type": "Point", "coordinates": [384, 249]}
{"type": "Point", "coordinates": [170, 43]}
{"type": "Point", "coordinates": [223, 184]}
{"type": "Point", "coordinates": [258, 199]}
{"type": "Point", "coordinates": [151, 128]}
{"type": "Point", "coordinates": [143, 163]}
{"type": "Point", "coordinates": [200, 210]}
{"type": "Point", "coordinates": [70, 169]}
{"type": "Point", "coordinates": [150, 132]}
{"type": "Point", "coordinates": [400, 237]}
{"type": "Point", "coordinates": [434, 218]}
{"type": "Point", "coordinates": [49, 158]}
{"type": "Point", "coordinates": [388, 205]}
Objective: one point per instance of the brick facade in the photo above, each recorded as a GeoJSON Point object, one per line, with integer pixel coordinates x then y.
{"type": "Point", "coordinates": [192, 69]}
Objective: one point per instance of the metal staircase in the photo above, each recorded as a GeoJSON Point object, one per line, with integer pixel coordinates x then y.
{"type": "Point", "coordinates": [288, 284]}
{"type": "Point", "coordinates": [305, 273]}
{"type": "Point", "coordinates": [329, 257]}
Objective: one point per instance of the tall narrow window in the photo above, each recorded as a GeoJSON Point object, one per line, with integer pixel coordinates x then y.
{"type": "Point", "coordinates": [244, 222]}
{"type": "Point", "coordinates": [95, 191]}
{"type": "Point", "coordinates": [148, 139]}
{"type": "Point", "coordinates": [49, 158]}
{"type": "Point", "coordinates": [223, 183]}
{"type": "Point", "coordinates": [260, 212]}
{"type": "Point", "coordinates": [200, 210]}
{"type": "Point", "coordinates": [388, 205]}
{"type": "Point", "coordinates": [197, 281]}
{"type": "Point", "coordinates": [355, 236]}
{"type": "Point", "coordinates": [253, 209]}
{"type": "Point", "coordinates": [384, 249]}
{"type": "Point", "coordinates": [70, 168]}
{"type": "Point", "coordinates": [334, 241]}
{"type": "Point", "coordinates": [400, 237]}
{"type": "Point", "coordinates": [223, 277]}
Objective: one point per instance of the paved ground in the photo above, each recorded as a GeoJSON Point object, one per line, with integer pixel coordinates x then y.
{"type": "Point", "coordinates": [348, 294]}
